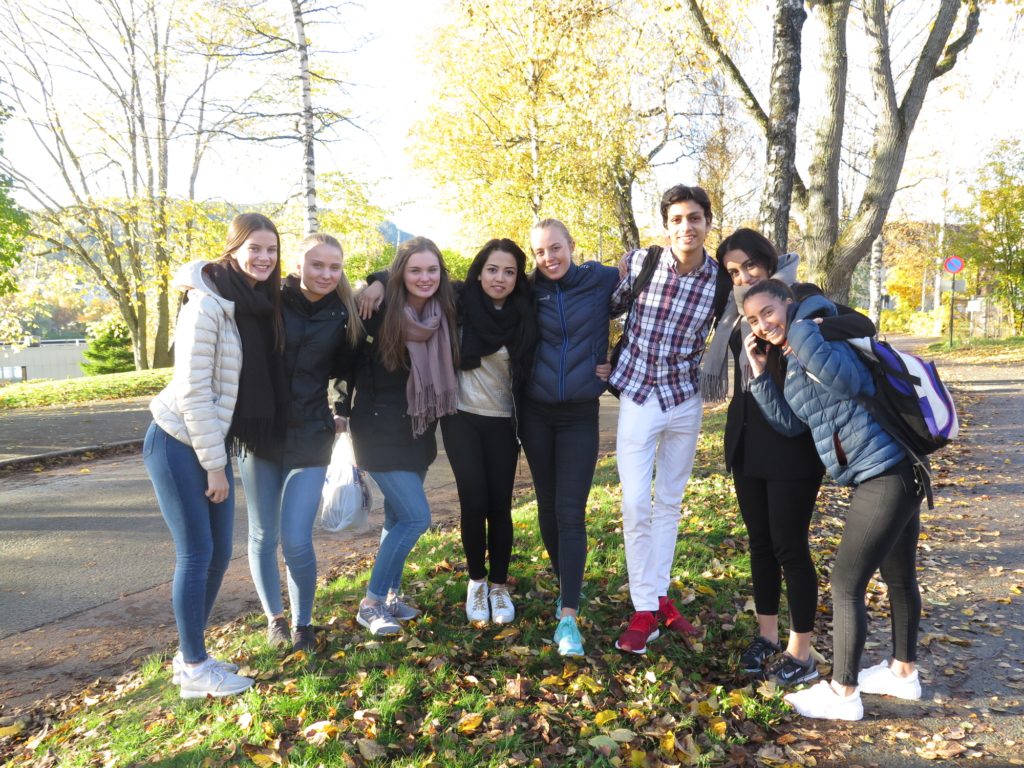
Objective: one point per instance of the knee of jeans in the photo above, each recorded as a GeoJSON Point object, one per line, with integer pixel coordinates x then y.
{"type": "Point", "coordinates": [298, 548]}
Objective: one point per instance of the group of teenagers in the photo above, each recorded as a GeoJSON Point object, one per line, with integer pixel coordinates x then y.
{"type": "Point", "coordinates": [506, 359]}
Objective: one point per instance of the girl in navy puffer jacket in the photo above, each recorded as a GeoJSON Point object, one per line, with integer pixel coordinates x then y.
{"type": "Point", "coordinates": [820, 388]}
{"type": "Point", "coordinates": [559, 426]}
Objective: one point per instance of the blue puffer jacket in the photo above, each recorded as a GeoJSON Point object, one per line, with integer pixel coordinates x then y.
{"type": "Point", "coordinates": [821, 389]}
{"type": "Point", "coordinates": [572, 321]}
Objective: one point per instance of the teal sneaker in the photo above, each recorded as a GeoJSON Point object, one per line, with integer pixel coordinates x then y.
{"type": "Point", "coordinates": [568, 638]}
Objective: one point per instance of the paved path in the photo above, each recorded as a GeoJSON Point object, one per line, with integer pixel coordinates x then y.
{"type": "Point", "coordinates": [86, 560]}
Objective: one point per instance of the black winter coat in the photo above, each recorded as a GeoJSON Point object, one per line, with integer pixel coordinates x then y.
{"type": "Point", "coordinates": [752, 446]}
{"type": "Point", "coordinates": [380, 425]}
{"type": "Point", "coordinates": [316, 350]}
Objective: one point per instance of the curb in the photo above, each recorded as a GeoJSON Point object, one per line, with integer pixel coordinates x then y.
{"type": "Point", "coordinates": [60, 458]}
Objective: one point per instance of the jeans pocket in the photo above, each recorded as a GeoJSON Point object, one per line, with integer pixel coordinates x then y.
{"type": "Point", "coordinates": [150, 440]}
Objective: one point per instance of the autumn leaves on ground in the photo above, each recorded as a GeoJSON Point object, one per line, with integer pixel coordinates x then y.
{"type": "Point", "coordinates": [447, 694]}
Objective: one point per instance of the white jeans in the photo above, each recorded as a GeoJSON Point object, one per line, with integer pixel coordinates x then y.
{"type": "Point", "coordinates": [646, 432]}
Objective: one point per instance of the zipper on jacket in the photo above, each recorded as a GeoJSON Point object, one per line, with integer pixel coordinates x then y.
{"type": "Point", "coordinates": [565, 343]}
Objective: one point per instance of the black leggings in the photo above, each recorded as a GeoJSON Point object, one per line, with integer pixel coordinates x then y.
{"type": "Point", "coordinates": [777, 514]}
{"type": "Point", "coordinates": [484, 454]}
{"type": "Point", "coordinates": [882, 526]}
{"type": "Point", "coordinates": [561, 443]}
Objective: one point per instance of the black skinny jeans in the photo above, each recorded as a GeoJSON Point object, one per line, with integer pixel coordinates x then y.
{"type": "Point", "coordinates": [881, 532]}
{"type": "Point", "coordinates": [561, 443]}
{"type": "Point", "coordinates": [777, 514]}
{"type": "Point", "coordinates": [484, 455]}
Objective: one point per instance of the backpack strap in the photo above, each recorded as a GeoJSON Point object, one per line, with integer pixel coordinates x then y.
{"type": "Point", "coordinates": [646, 272]}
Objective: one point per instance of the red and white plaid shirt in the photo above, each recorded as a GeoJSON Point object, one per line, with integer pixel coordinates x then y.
{"type": "Point", "coordinates": [667, 330]}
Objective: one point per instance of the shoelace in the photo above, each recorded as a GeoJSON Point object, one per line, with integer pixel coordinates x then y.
{"type": "Point", "coordinates": [499, 595]}
{"type": "Point", "coordinates": [479, 601]}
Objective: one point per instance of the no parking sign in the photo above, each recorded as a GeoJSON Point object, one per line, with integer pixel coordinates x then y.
{"type": "Point", "coordinates": [953, 264]}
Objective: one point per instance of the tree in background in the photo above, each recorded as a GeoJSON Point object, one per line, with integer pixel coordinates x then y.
{"type": "Point", "coordinates": [901, 69]}
{"type": "Point", "coordinates": [558, 108]}
{"type": "Point", "coordinates": [991, 237]}
{"type": "Point", "coordinates": [109, 349]}
{"type": "Point", "coordinates": [13, 227]}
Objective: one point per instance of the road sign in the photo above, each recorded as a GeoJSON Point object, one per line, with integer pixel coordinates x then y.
{"type": "Point", "coordinates": [953, 264]}
{"type": "Point", "coordinates": [975, 305]}
{"type": "Point", "coordinates": [952, 285]}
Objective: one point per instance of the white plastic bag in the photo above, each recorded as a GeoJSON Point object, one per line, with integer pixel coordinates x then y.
{"type": "Point", "coordinates": [346, 497]}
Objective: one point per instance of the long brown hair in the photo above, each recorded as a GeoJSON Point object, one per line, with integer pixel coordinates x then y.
{"type": "Point", "coordinates": [354, 329]}
{"type": "Point", "coordinates": [243, 225]}
{"type": "Point", "coordinates": [391, 339]}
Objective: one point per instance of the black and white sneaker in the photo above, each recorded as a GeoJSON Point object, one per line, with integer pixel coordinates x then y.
{"type": "Point", "coordinates": [754, 656]}
{"type": "Point", "coordinates": [788, 670]}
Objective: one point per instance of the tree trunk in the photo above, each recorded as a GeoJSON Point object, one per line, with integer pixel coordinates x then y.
{"type": "Point", "coordinates": [308, 128]}
{"type": "Point", "coordinates": [628, 229]}
{"type": "Point", "coordinates": [875, 283]}
{"type": "Point", "coordinates": [784, 107]}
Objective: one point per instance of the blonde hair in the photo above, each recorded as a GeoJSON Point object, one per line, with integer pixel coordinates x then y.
{"type": "Point", "coordinates": [354, 328]}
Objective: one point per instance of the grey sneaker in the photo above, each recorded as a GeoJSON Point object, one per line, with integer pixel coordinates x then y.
{"type": "Point", "coordinates": [304, 639]}
{"type": "Point", "coordinates": [754, 655]}
{"type": "Point", "coordinates": [278, 634]}
{"type": "Point", "coordinates": [211, 679]}
{"type": "Point", "coordinates": [178, 664]}
{"type": "Point", "coordinates": [399, 609]}
{"type": "Point", "coordinates": [788, 670]}
{"type": "Point", "coordinates": [378, 619]}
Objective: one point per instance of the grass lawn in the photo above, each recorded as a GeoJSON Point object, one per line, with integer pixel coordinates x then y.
{"type": "Point", "coordinates": [87, 389]}
{"type": "Point", "coordinates": [448, 694]}
{"type": "Point", "coordinates": [1009, 350]}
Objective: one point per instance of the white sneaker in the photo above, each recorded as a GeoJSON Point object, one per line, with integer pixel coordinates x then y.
{"type": "Point", "coordinates": [823, 703]}
{"type": "Point", "coordinates": [211, 679]}
{"type": "Point", "coordinates": [882, 680]}
{"type": "Point", "coordinates": [476, 602]}
{"type": "Point", "coordinates": [502, 609]}
{"type": "Point", "coordinates": [178, 664]}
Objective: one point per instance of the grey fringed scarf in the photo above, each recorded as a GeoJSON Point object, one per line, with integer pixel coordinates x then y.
{"type": "Point", "coordinates": [714, 369]}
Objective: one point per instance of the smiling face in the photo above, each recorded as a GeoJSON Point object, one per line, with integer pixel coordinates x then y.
{"type": "Point", "coordinates": [743, 269]}
{"type": "Point", "coordinates": [687, 228]}
{"type": "Point", "coordinates": [319, 271]}
{"type": "Point", "coordinates": [498, 277]}
{"type": "Point", "coordinates": [257, 256]}
{"type": "Point", "coordinates": [767, 317]}
{"type": "Point", "coordinates": [422, 277]}
{"type": "Point", "coordinates": [552, 250]}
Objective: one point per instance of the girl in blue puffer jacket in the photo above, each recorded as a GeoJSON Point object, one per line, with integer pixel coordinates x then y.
{"type": "Point", "coordinates": [803, 381]}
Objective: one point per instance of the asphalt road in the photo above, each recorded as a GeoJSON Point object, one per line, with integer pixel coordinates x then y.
{"type": "Point", "coordinates": [81, 537]}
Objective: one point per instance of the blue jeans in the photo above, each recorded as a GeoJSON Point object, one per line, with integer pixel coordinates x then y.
{"type": "Point", "coordinates": [201, 530]}
{"type": "Point", "coordinates": [406, 518]}
{"type": "Point", "coordinates": [282, 504]}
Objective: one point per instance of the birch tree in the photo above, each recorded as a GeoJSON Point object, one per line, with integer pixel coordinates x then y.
{"type": "Point", "coordinates": [938, 33]}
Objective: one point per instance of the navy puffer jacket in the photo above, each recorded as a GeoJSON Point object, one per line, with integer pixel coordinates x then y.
{"type": "Point", "coordinates": [572, 321]}
{"type": "Point", "coordinates": [821, 389]}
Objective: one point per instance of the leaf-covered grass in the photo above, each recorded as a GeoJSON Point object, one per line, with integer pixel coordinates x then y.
{"type": "Point", "coordinates": [1009, 350]}
{"type": "Point", "coordinates": [448, 694]}
{"type": "Point", "coordinates": [88, 389]}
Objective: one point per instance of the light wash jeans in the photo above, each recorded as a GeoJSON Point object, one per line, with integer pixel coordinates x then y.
{"type": "Point", "coordinates": [282, 503]}
{"type": "Point", "coordinates": [201, 531]}
{"type": "Point", "coordinates": [406, 518]}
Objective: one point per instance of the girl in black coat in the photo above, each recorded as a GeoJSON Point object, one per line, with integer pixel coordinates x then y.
{"type": "Point", "coordinates": [282, 491]}
{"type": "Point", "coordinates": [776, 478]}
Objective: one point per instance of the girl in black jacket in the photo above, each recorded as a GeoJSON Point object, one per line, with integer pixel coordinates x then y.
{"type": "Point", "coordinates": [282, 491]}
{"type": "Point", "coordinates": [404, 382]}
{"type": "Point", "coordinates": [776, 477]}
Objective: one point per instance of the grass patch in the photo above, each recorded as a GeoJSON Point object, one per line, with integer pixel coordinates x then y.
{"type": "Point", "coordinates": [1009, 350]}
{"type": "Point", "coordinates": [448, 694]}
{"type": "Point", "coordinates": [88, 389]}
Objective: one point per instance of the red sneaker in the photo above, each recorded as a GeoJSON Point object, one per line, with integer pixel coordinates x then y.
{"type": "Point", "coordinates": [643, 628]}
{"type": "Point", "coordinates": [673, 620]}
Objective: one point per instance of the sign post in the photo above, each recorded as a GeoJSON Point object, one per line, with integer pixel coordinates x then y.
{"type": "Point", "coordinates": [954, 265]}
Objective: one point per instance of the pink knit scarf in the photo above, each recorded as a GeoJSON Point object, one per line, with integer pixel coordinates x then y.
{"type": "Point", "coordinates": [432, 390]}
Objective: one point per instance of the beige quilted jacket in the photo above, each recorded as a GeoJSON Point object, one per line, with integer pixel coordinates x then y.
{"type": "Point", "coordinates": [197, 405]}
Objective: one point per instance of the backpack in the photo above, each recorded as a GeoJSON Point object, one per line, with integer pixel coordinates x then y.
{"type": "Point", "coordinates": [910, 402]}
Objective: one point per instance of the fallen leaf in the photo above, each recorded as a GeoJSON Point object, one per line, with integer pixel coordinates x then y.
{"type": "Point", "coordinates": [370, 749]}
{"type": "Point", "coordinates": [469, 722]}
{"type": "Point", "coordinates": [605, 716]}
